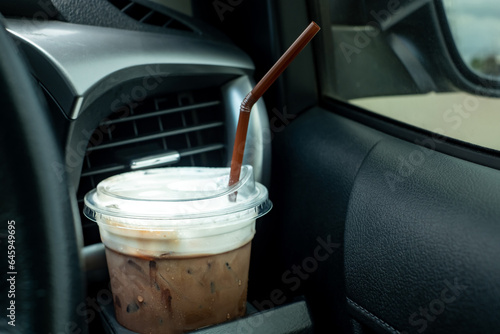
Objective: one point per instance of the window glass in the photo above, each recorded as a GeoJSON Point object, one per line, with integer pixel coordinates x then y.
{"type": "Point", "coordinates": [393, 57]}
{"type": "Point", "coordinates": [475, 26]}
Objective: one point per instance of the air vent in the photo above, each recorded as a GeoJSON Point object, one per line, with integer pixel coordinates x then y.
{"type": "Point", "coordinates": [183, 129]}
{"type": "Point", "coordinates": [147, 15]}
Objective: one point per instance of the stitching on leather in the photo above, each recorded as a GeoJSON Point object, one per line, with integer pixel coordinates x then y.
{"type": "Point", "coordinates": [372, 316]}
{"type": "Point", "coordinates": [357, 173]}
{"type": "Point", "coordinates": [364, 159]}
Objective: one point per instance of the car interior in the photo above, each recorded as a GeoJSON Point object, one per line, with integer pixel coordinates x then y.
{"type": "Point", "coordinates": [378, 145]}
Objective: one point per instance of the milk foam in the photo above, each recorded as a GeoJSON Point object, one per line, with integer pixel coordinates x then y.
{"type": "Point", "coordinates": [176, 211]}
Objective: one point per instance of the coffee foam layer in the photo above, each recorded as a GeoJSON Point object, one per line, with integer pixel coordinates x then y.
{"type": "Point", "coordinates": [164, 244]}
{"type": "Point", "coordinates": [176, 211]}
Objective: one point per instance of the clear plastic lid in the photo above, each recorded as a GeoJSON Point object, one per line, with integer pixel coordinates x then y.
{"type": "Point", "coordinates": [176, 199]}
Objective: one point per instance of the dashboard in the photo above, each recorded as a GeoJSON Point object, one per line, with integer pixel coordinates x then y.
{"type": "Point", "coordinates": [123, 100]}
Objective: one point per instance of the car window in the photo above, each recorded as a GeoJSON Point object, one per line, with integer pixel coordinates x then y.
{"type": "Point", "coordinates": [431, 64]}
{"type": "Point", "coordinates": [475, 28]}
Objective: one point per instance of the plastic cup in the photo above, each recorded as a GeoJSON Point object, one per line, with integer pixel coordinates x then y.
{"type": "Point", "coordinates": [177, 247]}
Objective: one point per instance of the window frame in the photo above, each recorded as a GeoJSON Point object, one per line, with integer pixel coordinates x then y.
{"type": "Point", "coordinates": [456, 57]}
{"type": "Point", "coordinates": [464, 150]}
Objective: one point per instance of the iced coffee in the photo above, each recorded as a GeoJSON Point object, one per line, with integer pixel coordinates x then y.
{"type": "Point", "coordinates": [177, 247]}
{"type": "Point", "coordinates": [190, 292]}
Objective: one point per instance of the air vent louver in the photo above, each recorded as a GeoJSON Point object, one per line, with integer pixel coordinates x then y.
{"type": "Point", "coordinates": [190, 125]}
{"type": "Point", "coordinates": [149, 16]}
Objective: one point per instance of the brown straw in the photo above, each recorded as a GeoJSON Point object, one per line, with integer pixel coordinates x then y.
{"type": "Point", "coordinates": [256, 93]}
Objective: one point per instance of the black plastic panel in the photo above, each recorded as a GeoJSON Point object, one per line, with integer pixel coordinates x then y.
{"type": "Point", "coordinates": [417, 231]}
{"type": "Point", "coordinates": [40, 10]}
{"type": "Point", "coordinates": [289, 319]}
{"type": "Point", "coordinates": [315, 161]}
{"type": "Point", "coordinates": [422, 242]}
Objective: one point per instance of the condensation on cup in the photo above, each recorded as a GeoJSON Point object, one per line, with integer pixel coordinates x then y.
{"type": "Point", "coordinates": [177, 247]}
